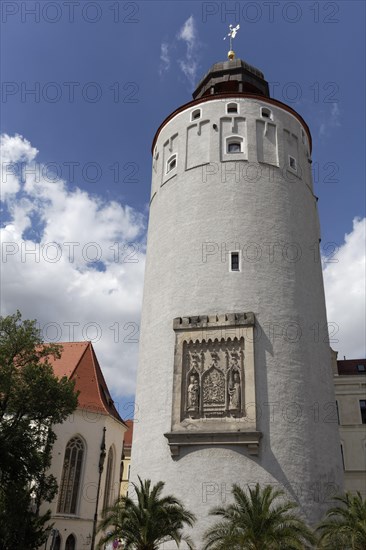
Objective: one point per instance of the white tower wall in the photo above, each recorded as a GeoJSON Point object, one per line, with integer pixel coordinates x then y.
{"type": "Point", "coordinates": [212, 203]}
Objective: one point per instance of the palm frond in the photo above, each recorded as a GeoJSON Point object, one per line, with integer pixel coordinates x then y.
{"type": "Point", "coordinates": [258, 518]}
{"type": "Point", "coordinates": [149, 521]}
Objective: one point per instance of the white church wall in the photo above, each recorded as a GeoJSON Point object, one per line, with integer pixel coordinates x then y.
{"type": "Point", "coordinates": [88, 425]}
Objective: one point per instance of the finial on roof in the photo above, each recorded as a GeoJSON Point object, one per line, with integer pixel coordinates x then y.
{"type": "Point", "coordinates": [232, 34]}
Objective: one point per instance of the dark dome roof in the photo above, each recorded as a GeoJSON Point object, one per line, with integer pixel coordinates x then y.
{"type": "Point", "coordinates": [230, 76]}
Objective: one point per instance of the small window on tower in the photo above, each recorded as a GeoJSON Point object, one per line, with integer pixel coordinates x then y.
{"type": "Point", "coordinates": [234, 144]}
{"type": "Point", "coordinates": [234, 147]}
{"type": "Point", "coordinates": [196, 114]}
{"type": "Point", "coordinates": [292, 162]}
{"type": "Point", "coordinates": [171, 163]}
{"type": "Point", "coordinates": [266, 113]}
{"type": "Point", "coordinates": [232, 108]}
{"type": "Point", "coordinates": [234, 261]}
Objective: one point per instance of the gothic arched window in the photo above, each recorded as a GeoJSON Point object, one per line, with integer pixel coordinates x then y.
{"type": "Point", "coordinates": [108, 479]}
{"type": "Point", "coordinates": [71, 476]}
{"type": "Point", "coordinates": [57, 545]}
{"type": "Point", "coordinates": [70, 543]}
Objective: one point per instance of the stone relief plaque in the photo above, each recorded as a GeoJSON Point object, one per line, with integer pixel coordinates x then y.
{"type": "Point", "coordinates": [214, 382]}
{"type": "Point", "coordinates": [213, 378]}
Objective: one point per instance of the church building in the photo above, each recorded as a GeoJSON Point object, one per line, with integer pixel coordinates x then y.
{"type": "Point", "coordinates": [87, 453]}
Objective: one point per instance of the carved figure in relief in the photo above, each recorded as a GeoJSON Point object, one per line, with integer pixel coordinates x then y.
{"type": "Point", "coordinates": [234, 393]}
{"type": "Point", "coordinates": [215, 357]}
{"type": "Point", "coordinates": [193, 393]}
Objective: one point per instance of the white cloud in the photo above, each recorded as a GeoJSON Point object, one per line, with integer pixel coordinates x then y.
{"type": "Point", "coordinates": [344, 282]}
{"type": "Point", "coordinates": [190, 60]}
{"type": "Point", "coordinates": [332, 121]}
{"type": "Point", "coordinates": [48, 270]}
{"type": "Point", "coordinates": [189, 64]}
{"type": "Point", "coordinates": [14, 153]}
{"type": "Point", "coordinates": [164, 58]}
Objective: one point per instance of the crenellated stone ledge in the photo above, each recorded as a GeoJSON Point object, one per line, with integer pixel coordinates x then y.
{"type": "Point", "coordinates": [207, 321]}
{"type": "Point", "coordinates": [176, 440]}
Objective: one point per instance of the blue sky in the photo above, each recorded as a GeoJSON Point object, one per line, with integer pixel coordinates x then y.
{"type": "Point", "coordinates": [107, 73]}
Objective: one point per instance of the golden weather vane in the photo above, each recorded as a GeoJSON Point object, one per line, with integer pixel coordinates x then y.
{"type": "Point", "coordinates": [232, 34]}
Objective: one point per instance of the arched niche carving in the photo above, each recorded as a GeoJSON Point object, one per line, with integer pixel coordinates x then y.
{"type": "Point", "coordinates": [213, 390]}
{"type": "Point", "coordinates": [213, 376]}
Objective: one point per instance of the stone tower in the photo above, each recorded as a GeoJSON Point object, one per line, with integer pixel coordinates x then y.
{"type": "Point", "coordinates": [234, 379]}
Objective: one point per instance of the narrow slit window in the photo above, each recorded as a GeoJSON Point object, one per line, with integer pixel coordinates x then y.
{"type": "Point", "coordinates": [232, 108]}
{"type": "Point", "coordinates": [363, 410]}
{"type": "Point", "coordinates": [292, 163]}
{"type": "Point", "coordinates": [234, 261]}
{"type": "Point", "coordinates": [266, 113]}
{"type": "Point", "coordinates": [171, 163]}
{"type": "Point", "coordinates": [196, 114]}
{"type": "Point", "coordinates": [108, 479]}
{"type": "Point", "coordinates": [342, 453]}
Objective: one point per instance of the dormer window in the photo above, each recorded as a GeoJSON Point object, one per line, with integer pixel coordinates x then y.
{"type": "Point", "coordinates": [266, 113]}
{"type": "Point", "coordinates": [234, 145]}
{"type": "Point", "coordinates": [171, 163]}
{"type": "Point", "coordinates": [232, 108]}
{"type": "Point", "coordinates": [196, 114]}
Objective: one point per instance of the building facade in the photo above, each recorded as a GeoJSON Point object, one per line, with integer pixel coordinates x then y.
{"type": "Point", "coordinates": [350, 390]}
{"type": "Point", "coordinates": [126, 459]}
{"type": "Point", "coordinates": [234, 378]}
{"type": "Point", "coordinates": [86, 454]}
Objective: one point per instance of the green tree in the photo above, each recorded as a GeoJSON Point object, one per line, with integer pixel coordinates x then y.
{"type": "Point", "coordinates": [344, 527]}
{"type": "Point", "coordinates": [148, 522]}
{"type": "Point", "coordinates": [32, 399]}
{"type": "Point", "coordinates": [255, 521]}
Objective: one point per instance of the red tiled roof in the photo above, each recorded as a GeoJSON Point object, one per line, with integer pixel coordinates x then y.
{"type": "Point", "coordinates": [349, 366]}
{"type": "Point", "coordinates": [127, 442]}
{"type": "Point", "coordinates": [78, 362]}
